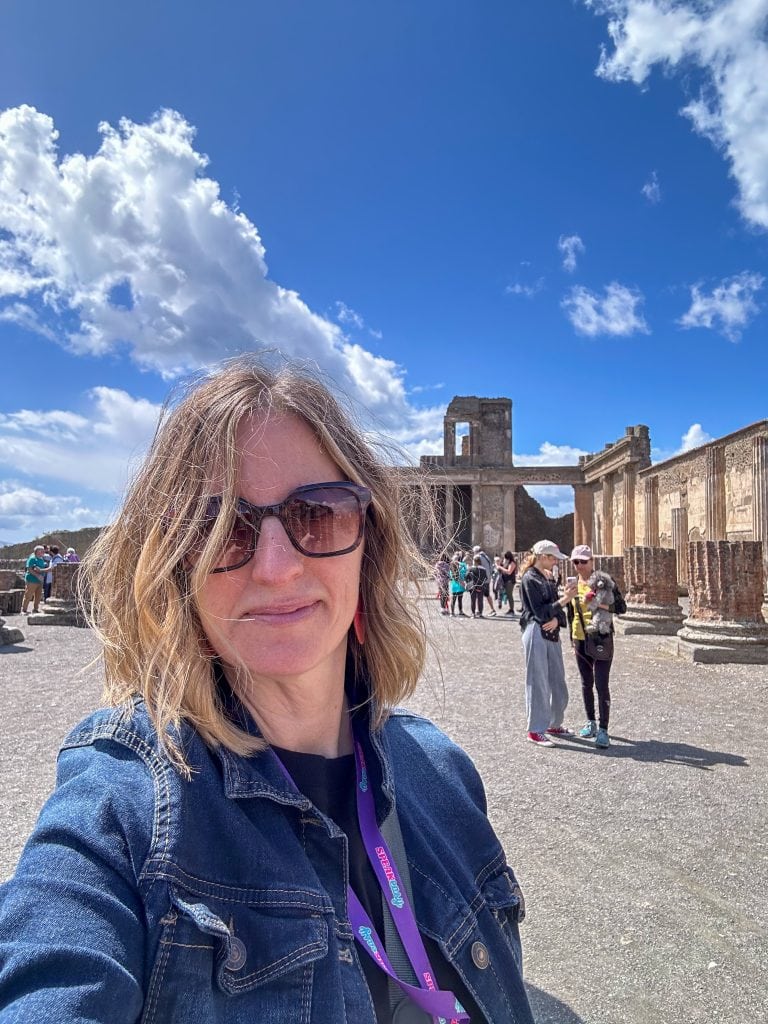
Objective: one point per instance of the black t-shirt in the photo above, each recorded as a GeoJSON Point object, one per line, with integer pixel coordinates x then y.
{"type": "Point", "coordinates": [330, 784]}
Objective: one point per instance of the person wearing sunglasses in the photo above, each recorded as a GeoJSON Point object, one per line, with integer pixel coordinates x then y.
{"type": "Point", "coordinates": [595, 675]}
{"type": "Point", "coordinates": [253, 830]}
{"type": "Point", "coordinates": [541, 619]}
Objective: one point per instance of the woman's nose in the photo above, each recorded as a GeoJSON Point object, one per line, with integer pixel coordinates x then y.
{"type": "Point", "coordinates": [275, 558]}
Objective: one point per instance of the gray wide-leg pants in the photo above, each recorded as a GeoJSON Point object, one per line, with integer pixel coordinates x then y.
{"type": "Point", "coordinates": [546, 693]}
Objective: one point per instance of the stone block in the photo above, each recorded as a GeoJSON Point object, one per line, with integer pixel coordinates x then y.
{"type": "Point", "coordinates": [9, 634]}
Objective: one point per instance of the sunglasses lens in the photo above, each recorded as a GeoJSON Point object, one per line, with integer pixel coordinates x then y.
{"type": "Point", "coordinates": [239, 546]}
{"type": "Point", "coordinates": [325, 521]}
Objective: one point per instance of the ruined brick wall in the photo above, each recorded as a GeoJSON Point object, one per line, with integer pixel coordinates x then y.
{"type": "Point", "coordinates": [650, 576]}
{"type": "Point", "coordinates": [726, 581]}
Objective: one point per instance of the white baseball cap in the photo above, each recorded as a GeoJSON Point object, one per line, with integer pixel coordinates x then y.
{"type": "Point", "coordinates": [548, 547]}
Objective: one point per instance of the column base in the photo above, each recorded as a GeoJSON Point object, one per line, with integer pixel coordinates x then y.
{"type": "Point", "coordinates": [722, 643]}
{"type": "Point", "coordinates": [57, 613]}
{"type": "Point", "coordinates": [649, 620]}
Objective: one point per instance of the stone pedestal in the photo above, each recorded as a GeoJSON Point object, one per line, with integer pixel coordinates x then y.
{"type": "Point", "coordinates": [725, 624]}
{"type": "Point", "coordinates": [61, 608]}
{"type": "Point", "coordinates": [614, 566]}
{"type": "Point", "coordinates": [10, 602]}
{"type": "Point", "coordinates": [650, 592]}
{"type": "Point", "coordinates": [9, 635]}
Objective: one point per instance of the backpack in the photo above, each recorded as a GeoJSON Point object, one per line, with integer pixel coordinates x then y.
{"type": "Point", "coordinates": [619, 606]}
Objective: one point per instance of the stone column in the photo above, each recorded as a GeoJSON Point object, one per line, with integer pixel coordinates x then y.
{"type": "Point", "coordinates": [680, 544]}
{"type": "Point", "coordinates": [477, 514]}
{"type": "Point", "coordinates": [61, 608]}
{"type": "Point", "coordinates": [582, 514]}
{"type": "Point", "coordinates": [614, 566]}
{"type": "Point", "coordinates": [715, 493]}
{"type": "Point", "coordinates": [651, 592]}
{"type": "Point", "coordinates": [449, 525]}
{"type": "Point", "coordinates": [630, 480]}
{"type": "Point", "coordinates": [509, 528]}
{"type": "Point", "coordinates": [607, 538]}
{"type": "Point", "coordinates": [760, 502]}
{"type": "Point", "coordinates": [725, 624]}
{"type": "Point", "coordinates": [449, 442]}
{"type": "Point", "coordinates": [651, 502]}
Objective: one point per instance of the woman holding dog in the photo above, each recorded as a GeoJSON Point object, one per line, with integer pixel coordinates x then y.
{"type": "Point", "coordinates": [594, 673]}
{"type": "Point", "coordinates": [543, 615]}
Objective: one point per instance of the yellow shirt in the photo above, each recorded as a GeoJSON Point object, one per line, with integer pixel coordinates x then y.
{"type": "Point", "coordinates": [576, 631]}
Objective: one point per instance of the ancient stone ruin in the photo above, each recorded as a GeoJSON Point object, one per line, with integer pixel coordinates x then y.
{"type": "Point", "coordinates": [725, 623]}
{"type": "Point", "coordinates": [650, 592]}
{"type": "Point", "coordinates": [61, 608]}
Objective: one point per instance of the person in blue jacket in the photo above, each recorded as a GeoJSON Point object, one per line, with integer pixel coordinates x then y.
{"type": "Point", "coordinates": [253, 830]}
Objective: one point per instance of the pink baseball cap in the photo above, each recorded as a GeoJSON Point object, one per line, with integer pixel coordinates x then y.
{"type": "Point", "coordinates": [581, 551]}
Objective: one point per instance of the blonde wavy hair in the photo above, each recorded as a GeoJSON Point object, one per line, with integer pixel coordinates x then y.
{"type": "Point", "coordinates": [139, 594]}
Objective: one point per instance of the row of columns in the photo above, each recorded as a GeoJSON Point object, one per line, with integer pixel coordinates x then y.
{"type": "Point", "coordinates": [726, 619]}
{"type": "Point", "coordinates": [600, 534]}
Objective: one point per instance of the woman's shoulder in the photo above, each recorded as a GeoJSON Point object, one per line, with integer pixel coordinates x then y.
{"type": "Point", "coordinates": [417, 738]}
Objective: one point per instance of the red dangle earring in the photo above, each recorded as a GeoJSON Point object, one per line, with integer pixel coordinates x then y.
{"type": "Point", "coordinates": [358, 622]}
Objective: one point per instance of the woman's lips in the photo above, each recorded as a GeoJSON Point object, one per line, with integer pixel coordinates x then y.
{"type": "Point", "coordinates": [281, 615]}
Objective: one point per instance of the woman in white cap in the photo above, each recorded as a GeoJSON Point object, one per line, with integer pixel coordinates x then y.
{"type": "Point", "coordinates": [543, 615]}
{"type": "Point", "coordinates": [594, 674]}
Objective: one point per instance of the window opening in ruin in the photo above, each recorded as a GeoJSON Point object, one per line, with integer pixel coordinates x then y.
{"type": "Point", "coordinates": [462, 439]}
{"type": "Point", "coordinates": [544, 511]}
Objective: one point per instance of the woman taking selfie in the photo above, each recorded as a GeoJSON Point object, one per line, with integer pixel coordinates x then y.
{"type": "Point", "coordinates": [227, 842]}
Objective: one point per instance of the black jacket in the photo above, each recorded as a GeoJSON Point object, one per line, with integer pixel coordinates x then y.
{"type": "Point", "coordinates": [540, 600]}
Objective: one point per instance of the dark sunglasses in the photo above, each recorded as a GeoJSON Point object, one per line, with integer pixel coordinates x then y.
{"type": "Point", "coordinates": [321, 520]}
{"type": "Point", "coordinates": [581, 561]}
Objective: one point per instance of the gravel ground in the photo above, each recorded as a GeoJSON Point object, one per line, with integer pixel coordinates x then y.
{"type": "Point", "coordinates": [645, 866]}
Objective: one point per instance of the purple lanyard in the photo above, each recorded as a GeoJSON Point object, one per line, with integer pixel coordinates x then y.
{"type": "Point", "coordinates": [440, 1004]}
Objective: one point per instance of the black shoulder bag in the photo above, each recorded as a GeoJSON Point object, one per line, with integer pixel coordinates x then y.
{"type": "Point", "coordinates": [596, 646]}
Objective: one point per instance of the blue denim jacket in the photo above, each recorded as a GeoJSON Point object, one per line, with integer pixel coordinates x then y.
{"type": "Point", "coordinates": [144, 897]}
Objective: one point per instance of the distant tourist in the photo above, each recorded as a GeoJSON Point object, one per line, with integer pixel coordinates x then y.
{"type": "Point", "coordinates": [458, 573]}
{"type": "Point", "coordinates": [33, 579]}
{"type": "Point", "coordinates": [443, 581]}
{"type": "Point", "coordinates": [56, 559]}
{"type": "Point", "coordinates": [542, 618]}
{"type": "Point", "coordinates": [475, 583]}
{"type": "Point", "coordinates": [72, 555]}
{"type": "Point", "coordinates": [594, 671]}
{"type": "Point", "coordinates": [508, 573]}
{"type": "Point", "coordinates": [486, 564]}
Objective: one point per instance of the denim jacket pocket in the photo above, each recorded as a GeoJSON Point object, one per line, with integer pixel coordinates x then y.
{"type": "Point", "coordinates": [234, 962]}
{"type": "Point", "coordinates": [504, 898]}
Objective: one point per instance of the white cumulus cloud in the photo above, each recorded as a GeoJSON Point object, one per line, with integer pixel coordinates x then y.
{"type": "Point", "coordinates": [94, 450]}
{"type": "Point", "coordinates": [728, 308]}
{"type": "Point", "coordinates": [726, 43]}
{"type": "Point", "coordinates": [551, 455]}
{"type": "Point", "coordinates": [652, 189]}
{"type": "Point", "coordinates": [24, 508]}
{"type": "Point", "coordinates": [570, 246]}
{"type": "Point", "coordinates": [614, 313]}
{"type": "Point", "coordinates": [133, 249]}
{"type": "Point", "coordinates": [528, 290]}
{"type": "Point", "coordinates": [694, 437]}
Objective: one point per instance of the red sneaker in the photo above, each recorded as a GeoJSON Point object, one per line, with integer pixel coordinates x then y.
{"type": "Point", "coordinates": [559, 730]}
{"type": "Point", "coordinates": [540, 739]}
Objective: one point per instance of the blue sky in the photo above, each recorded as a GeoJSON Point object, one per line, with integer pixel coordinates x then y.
{"type": "Point", "coordinates": [563, 202]}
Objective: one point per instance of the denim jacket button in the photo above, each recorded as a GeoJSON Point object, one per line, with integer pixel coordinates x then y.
{"type": "Point", "coordinates": [480, 956]}
{"type": "Point", "coordinates": [237, 954]}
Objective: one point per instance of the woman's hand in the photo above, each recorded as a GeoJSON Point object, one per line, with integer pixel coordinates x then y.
{"type": "Point", "coordinates": [570, 590]}
{"type": "Point", "coordinates": [550, 625]}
